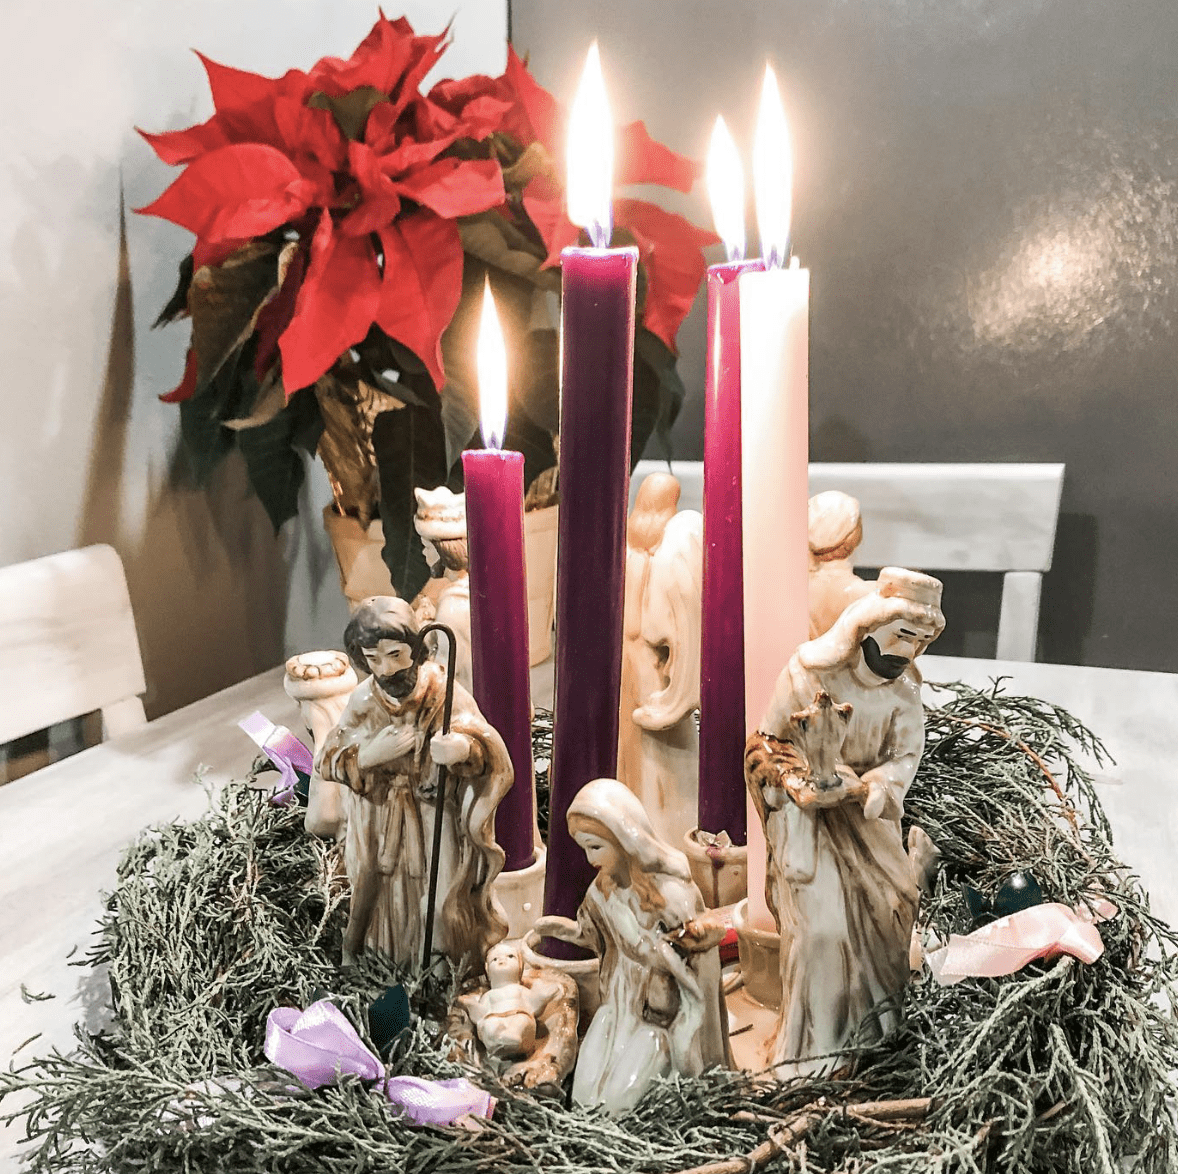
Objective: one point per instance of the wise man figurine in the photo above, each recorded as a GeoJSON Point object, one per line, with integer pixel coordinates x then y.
{"type": "Point", "coordinates": [386, 749]}
{"type": "Point", "coordinates": [658, 746]}
{"type": "Point", "coordinates": [828, 768]}
{"type": "Point", "coordinates": [836, 530]}
{"type": "Point", "coordinates": [440, 521]}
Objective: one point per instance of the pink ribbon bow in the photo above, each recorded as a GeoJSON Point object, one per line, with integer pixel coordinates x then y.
{"type": "Point", "coordinates": [1008, 944]}
{"type": "Point", "coordinates": [319, 1045]}
{"type": "Point", "coordinates": [283, 749]}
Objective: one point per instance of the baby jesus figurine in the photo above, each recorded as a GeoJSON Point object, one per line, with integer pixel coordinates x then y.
{"type": "Point", "coordinates": [525, 1024]}
{"type": "Point", "coordinates": [504, 1015]}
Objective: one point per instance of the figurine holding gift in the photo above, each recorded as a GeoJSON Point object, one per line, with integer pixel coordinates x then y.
{"type": "Point", "coordinates": [827, 769]}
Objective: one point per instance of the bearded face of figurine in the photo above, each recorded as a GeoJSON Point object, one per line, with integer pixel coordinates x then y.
{"type": "Point", "coordinates": [889, 650]}
{"type": "Point", "coordinates": [393, 665]}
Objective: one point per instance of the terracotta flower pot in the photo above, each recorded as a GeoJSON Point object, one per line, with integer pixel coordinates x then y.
{"type": "Point", "coordinates": [362, 571]}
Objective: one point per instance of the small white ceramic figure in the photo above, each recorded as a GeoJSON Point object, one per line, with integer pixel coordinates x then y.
{"type": "Point", "coordinates": [835, 532]}
{"type": "Point", "coordinates": [387, 748]}
{"type": "Point", "coordinates": [440, 521]}
{"type": "Point", "coordinates": [322, 682]}
{"type": "Point", "coordinates": [658, 746]}
{"type": "Point", "coordinates": [661, 1009]}
{"type": "Point", "coordinates": [524, 1020]}
{"type": "Point", "coordinates": [827, 770]}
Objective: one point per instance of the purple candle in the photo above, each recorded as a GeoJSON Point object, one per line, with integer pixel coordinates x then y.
{"type": "Point", "coordinates": [499, 593]}
{"type": "Point", "coordinates": [597, 369]}
{"type": "Point", "coordinates": [721, 718]}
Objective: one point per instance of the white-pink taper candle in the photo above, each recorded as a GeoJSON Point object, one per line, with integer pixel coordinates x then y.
{"type": "Point", "coordinates": [774, 364]}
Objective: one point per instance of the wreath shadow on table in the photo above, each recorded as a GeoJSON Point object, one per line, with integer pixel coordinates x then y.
{"type": "Point", "coordinates": [1061, 1067]}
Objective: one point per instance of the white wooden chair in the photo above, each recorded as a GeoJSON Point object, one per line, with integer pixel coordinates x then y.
{"type": "Point", "coordinates": [67, 644]}
{"type": "Point", "coordinates": [933, 517]}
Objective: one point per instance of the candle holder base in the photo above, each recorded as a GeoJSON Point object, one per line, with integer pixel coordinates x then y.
{"type": "Point", "coordinates": [760, 958]}
{"type": "Point", "coordinates": [584, 971]}
{"type": "Point", "coordinates": [719, 870]}
{"type": "Point", "coordinates": [754, 1006]}
{"type": "Point", "coordinates": [521, 893]}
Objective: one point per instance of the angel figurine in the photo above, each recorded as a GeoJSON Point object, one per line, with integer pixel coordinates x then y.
{"type": "Point", "coordinates": [658, 745]}
{"type": "Point", "coordinates": [836, 530]}
{"type": "Point", "coordinates": [827, 769]}
{"type": "Point", "coordinates": [661, 1008]}
{"type": "Point", "coordinates": [440, 522]}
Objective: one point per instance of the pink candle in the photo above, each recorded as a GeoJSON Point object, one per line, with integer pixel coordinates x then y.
{"type": "Point", "coordinates": [597, 381]}
{"type": "Point", "coordinates": [722, 726]}
{"type": "Point", "coordinates": [499, 594]}
{"type": "Point", "coordinates": [774, 343]}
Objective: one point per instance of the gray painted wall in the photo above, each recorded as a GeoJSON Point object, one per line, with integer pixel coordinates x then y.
{"type": "Point", "coordinates": [987, 197]}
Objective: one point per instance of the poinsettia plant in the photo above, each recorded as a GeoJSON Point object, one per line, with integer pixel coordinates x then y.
{"type": "Point", "coordinates": [345, 221]}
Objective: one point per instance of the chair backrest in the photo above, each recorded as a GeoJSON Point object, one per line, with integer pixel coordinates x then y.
{"type": "Point", "coordinates": [67, 644]}
{"type": "Point", "coordinates": [933, 517]}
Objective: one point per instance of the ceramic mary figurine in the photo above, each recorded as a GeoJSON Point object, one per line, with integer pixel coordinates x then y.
{"type": "Point", "coordinates": [658, 745]}
{"type": "Point", "coordinates": [661, 1009]}
{"type": "Point", "coordinates": [828, 768]}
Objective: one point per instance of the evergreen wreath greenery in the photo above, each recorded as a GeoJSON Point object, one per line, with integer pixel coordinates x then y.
{"type": "Point", "coordinates": [1062, 1067]}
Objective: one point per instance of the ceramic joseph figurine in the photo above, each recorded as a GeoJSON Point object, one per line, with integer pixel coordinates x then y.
{"type": "Point", "coordinates": [658, 746]}
{"type": "Point", "coordinates": [835, 533]}
{"type": "Point", "coordinates": [440, 521]}
{"type": "Point", "coordinates": [827, 770]}
{"type": "Point", "coordinates": [386, 749]}
{"type": "Point", "coordinates": [661, 1009]}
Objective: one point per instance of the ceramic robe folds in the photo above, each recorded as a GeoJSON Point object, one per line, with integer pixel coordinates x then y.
{"type": "Point", "coordinates": [828, 769]}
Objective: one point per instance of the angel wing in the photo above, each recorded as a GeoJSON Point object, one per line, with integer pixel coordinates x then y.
{"type": "Point", "coordinates": [671, 620]}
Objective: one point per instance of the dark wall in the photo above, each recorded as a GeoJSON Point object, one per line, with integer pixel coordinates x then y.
{"type": "Point", "coordinates": [987, 197]}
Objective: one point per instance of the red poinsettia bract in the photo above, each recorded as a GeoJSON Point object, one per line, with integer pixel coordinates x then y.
{"type": "Point", "coordinates": [669, 246]}
{"type": "Point", "coordinates": [374, 214]}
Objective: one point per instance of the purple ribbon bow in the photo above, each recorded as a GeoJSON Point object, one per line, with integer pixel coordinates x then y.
{"type": "Point", "coordinates": [283, 749]}
{"type": "Point", "coordinates": [319, 1044]}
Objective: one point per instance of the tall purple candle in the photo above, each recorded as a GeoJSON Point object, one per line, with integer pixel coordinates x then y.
{"type": "Point", "coordinates": [597, 368]}
{"type": "Point", "coordinates": [721, 711]}
{"type": "Point", "coordinates": [499, 631]}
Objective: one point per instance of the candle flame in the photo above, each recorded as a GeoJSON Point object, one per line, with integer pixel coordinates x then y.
{"type": "Point", "coordinates": [492, 371]}
{"type": "Point", "coordinates": [591, 154]}
{"type": "Point", "coordinates": [772, 174]}
{"type": "Point", "coordinates": [725, 179]}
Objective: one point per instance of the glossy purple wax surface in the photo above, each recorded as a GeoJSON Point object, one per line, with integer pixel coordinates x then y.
{"type": "Point", "coordinates": [721, 713]}
{"type": "Point", "coordinates": [597, 366]}
{"type": "Point", "coordinates": [499, 631]}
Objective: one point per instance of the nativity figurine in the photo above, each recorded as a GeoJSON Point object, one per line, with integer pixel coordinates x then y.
{"type": "Point", "coordinates": [661, 1007]}
{"type": "Point", "coordinates": [658, 743]}
{"type": "Point", "coordinates": [520, 1022]}
{"type": "Point", "coordinates": [387, 750]}
{"type": "Point", "coordinates": [440, 522]}
{"type": "Point", "coordinates": [835, 530]}
{"type": "Point", "coordinates": [827, 769]}
{"type": "Point", "coordinates": [321, 683]}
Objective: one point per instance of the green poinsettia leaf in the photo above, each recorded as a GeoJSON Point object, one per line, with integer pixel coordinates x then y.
{"type": "Point", "coordinates": [534, 441]}
{"type": "Point", "coordinates": [495, 242]}
{"type": "Point", "coordinates": [224, 301]}
{"type": "Point", "coordinates": [350, 110]}
{"type": "Point", "coordinates": [539, 391]}
{"type": "Point", "coordinates": [204, 439]}
{"type": "Point", "coordinates": [272, 457]}
{"type": "Point", "coordinates": [410, 447]}
{"type": "Point", "coordinates": [460, 418]}
{"type": "Point", "coordinates": [177, 305]}
{"type": "Point", "coordinates": [658, 394]}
